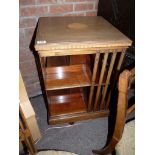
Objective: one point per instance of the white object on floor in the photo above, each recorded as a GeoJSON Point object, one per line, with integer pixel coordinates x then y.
{"type": "Point", "coordinates": [52, 152]}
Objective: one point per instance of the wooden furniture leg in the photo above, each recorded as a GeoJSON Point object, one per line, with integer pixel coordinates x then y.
{"type": "Point", "coordinates": [124, 82]}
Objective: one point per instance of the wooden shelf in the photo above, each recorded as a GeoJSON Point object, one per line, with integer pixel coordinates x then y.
{"type": "Point", "coordinates": [67, 77]}
{"type": "Point", "coordinates": [77, 117]}
{"type": "Point", "coordinates": [66, 104]}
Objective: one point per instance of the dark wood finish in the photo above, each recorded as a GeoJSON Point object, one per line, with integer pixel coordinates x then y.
{"type": "Point", "coordinates": [67, 104]}
{"type": "Point", "coordinates": [67, 60]}
{"type": "Point", "coordinates": [57, 61]}
{"type": "Point", "coordinates": [79, 59]}
{"type": "Point", "coordinates": [123, 85]}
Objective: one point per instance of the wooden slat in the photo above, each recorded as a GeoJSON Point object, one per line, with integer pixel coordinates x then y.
{"type": "Point", "coordinates": [108, 79]}
{"type": "Point", "coordinates": [121, 60]}
{"type": "Point", "coordinates": [28, 138]}
{"type": "Point", "coordinates": [120, 117]}
{"type": "Point", "coordinates": [115, 77]}
{"type": "Point", "coordinates": [78, 117]}
{"type": "Point", "coordinates": [42, 63]}
{"type": "Point", "coordinates": [93, 80]}
{"type": "Point", "coordinates": [24, 100]}
{"type": "Point", "coordinates": [131, 109]}
{"type": "Point", "coordinates": [65, 52]}
{"type": "Point", "coordinates": [28, 112]}
{"type": "Point", "coordinates": [104, 62]}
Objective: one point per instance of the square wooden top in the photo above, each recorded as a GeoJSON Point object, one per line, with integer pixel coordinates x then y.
{"type": "Point", "coordinates": [54, 33]}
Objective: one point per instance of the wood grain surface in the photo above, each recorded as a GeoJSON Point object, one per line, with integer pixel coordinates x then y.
{"type": "Point", "coordinates": [64, 33]}
{"type": "Point", "coordinates": [67, 77]}
{"type": "Point", "coordinates": [67, 104]}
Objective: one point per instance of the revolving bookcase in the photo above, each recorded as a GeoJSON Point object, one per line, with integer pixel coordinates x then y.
{"type": "Point", "coordinates": [80, 60]}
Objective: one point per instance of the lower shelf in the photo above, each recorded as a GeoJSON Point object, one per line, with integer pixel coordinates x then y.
{"type": "Point", "coordinates": [66, 104]}
{"type": "Point", "coordinates": [53, 120]}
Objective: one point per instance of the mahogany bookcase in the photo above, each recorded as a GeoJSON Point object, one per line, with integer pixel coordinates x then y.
{"type": "Point", "coordinates": [80, 58]}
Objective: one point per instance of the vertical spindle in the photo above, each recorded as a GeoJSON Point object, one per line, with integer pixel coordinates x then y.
{"type": "Point", "coordinates": [93, 80]}
{"type": "Point", "coordinates": [115, 77]}
{"type": "Point", "coordinates": [107, 80]}
{"type": "Point", "coordinates": [104, 62]}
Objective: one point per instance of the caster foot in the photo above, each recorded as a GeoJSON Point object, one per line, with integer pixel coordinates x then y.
{"type": "Point", "coordinates": [71, 123]}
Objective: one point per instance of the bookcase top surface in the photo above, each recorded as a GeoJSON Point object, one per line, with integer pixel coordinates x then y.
{"type": "Point", "coordinates": [77, 32]}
